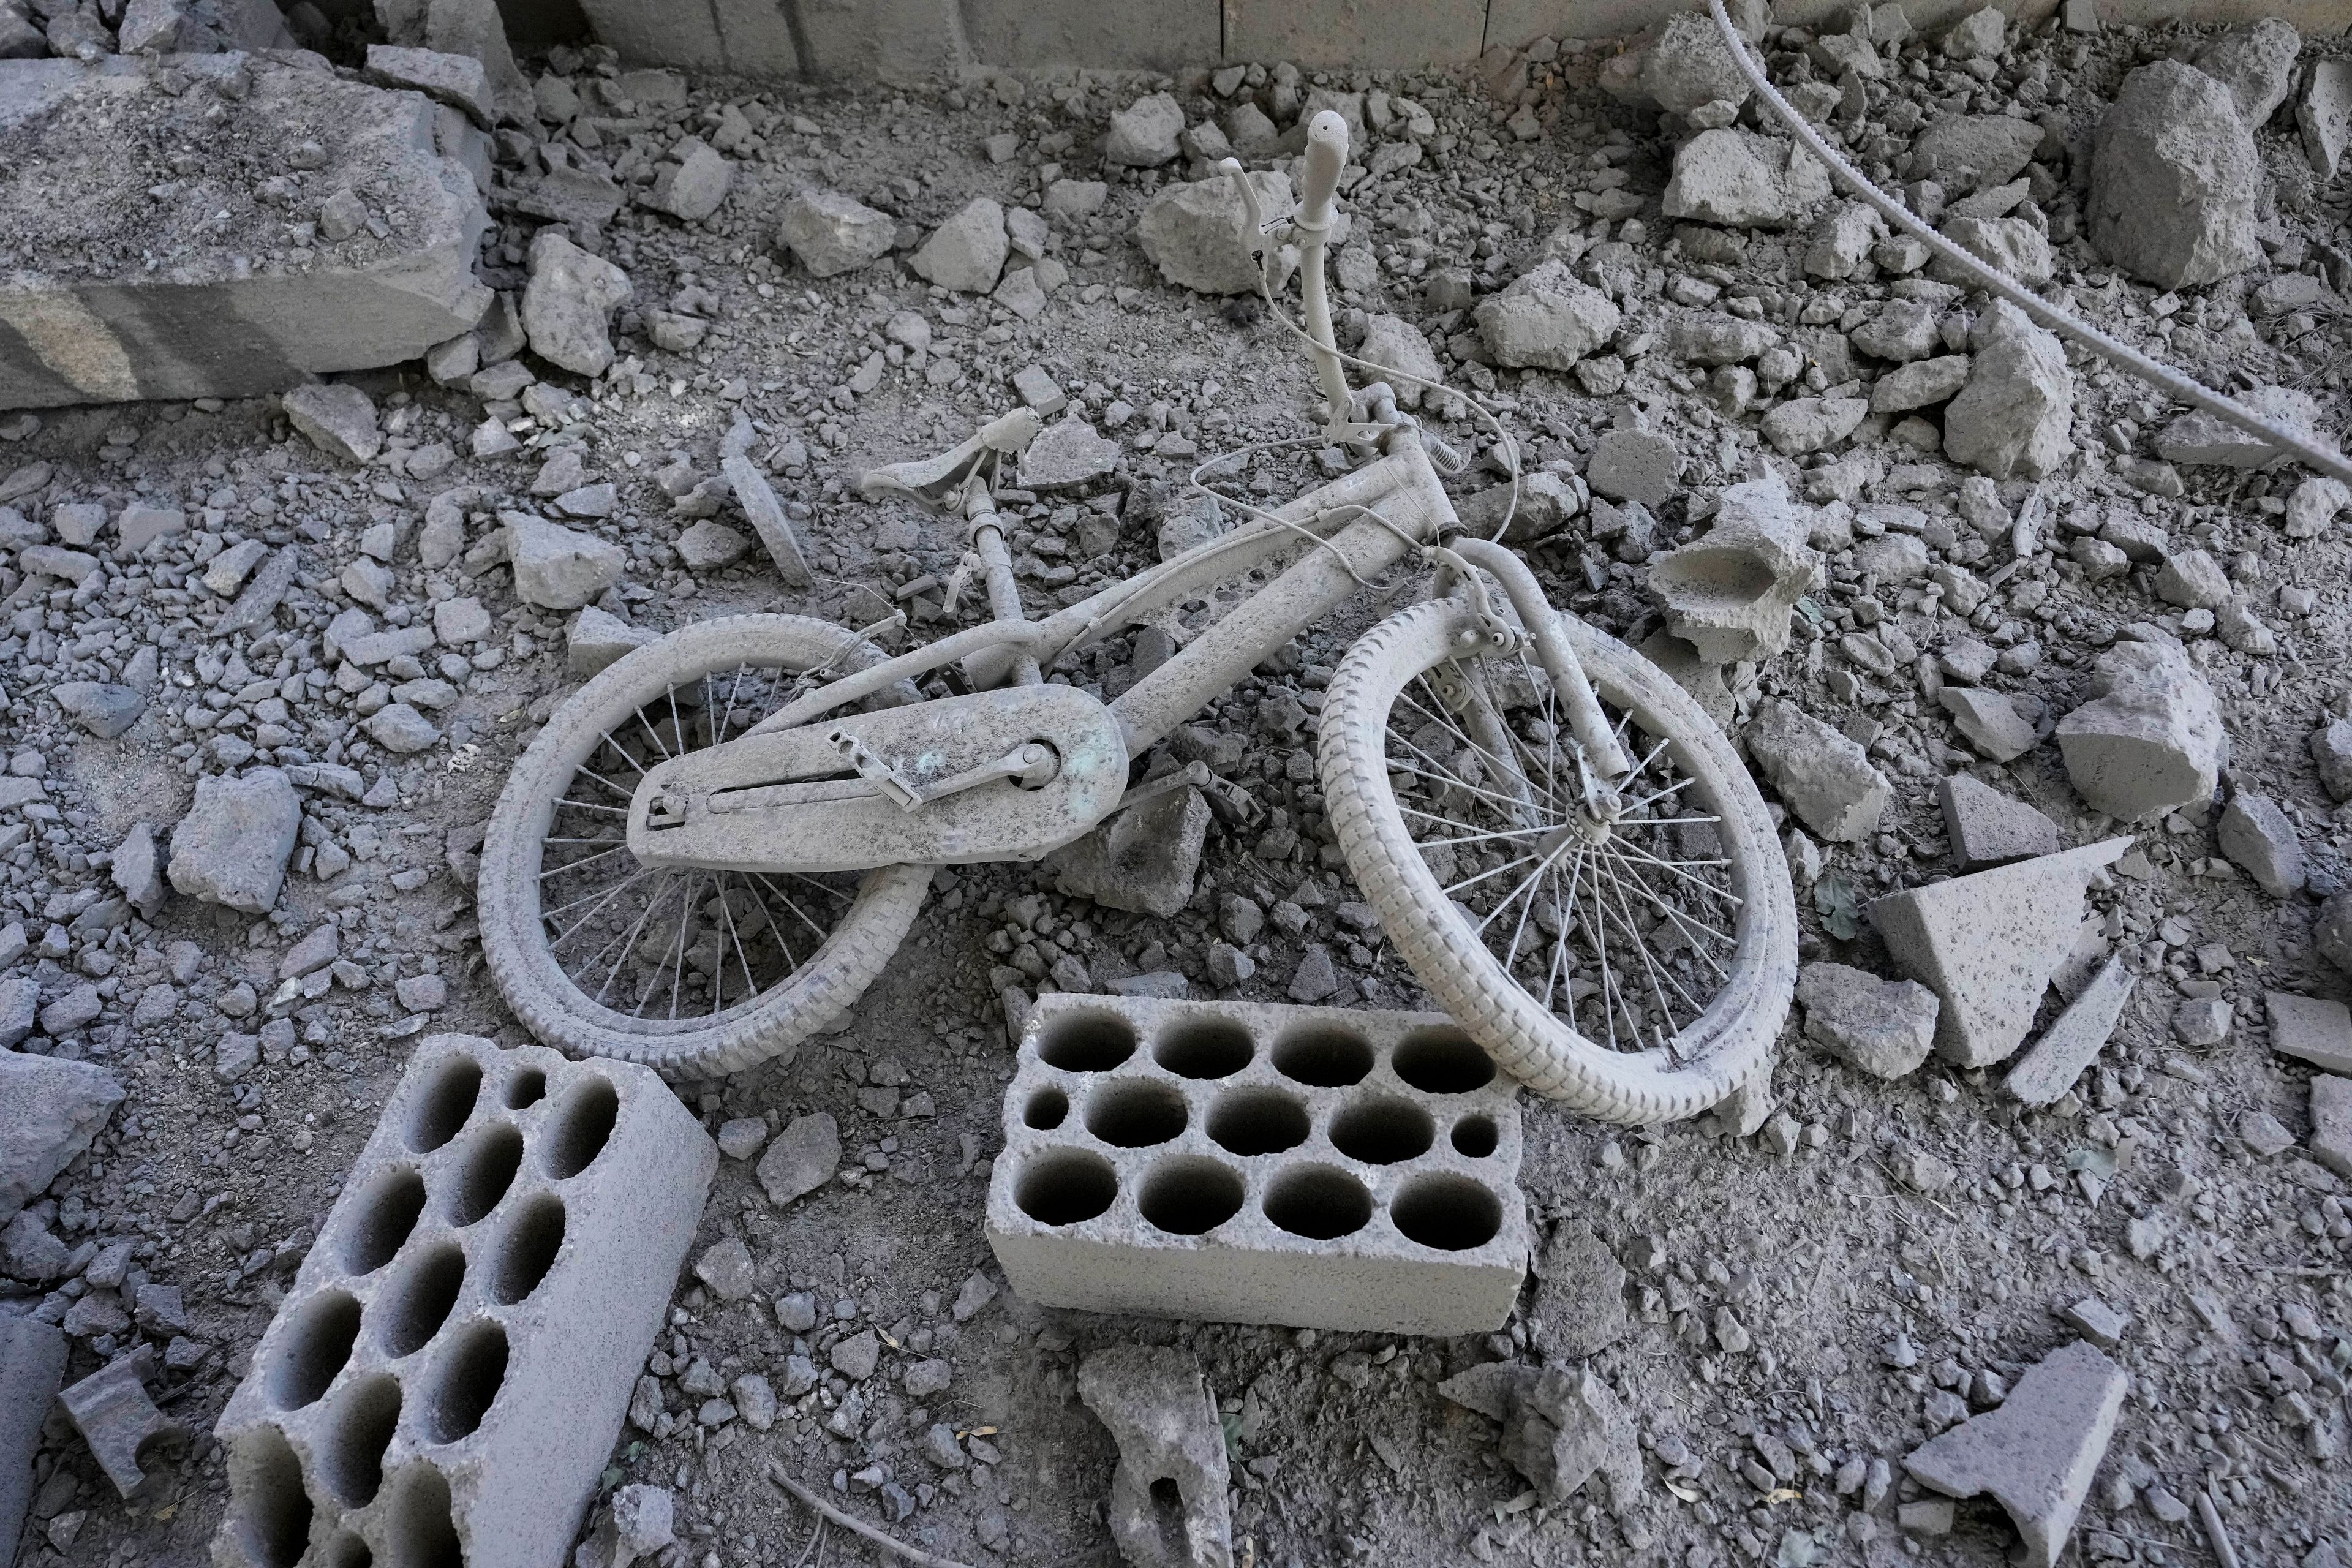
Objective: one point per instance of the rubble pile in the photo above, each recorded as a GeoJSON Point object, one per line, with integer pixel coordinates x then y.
{"type": "Point", "coordinates": [366, 387]}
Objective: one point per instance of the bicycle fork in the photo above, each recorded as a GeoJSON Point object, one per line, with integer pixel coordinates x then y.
{"type": "Point", "coordinates": [985, 526]}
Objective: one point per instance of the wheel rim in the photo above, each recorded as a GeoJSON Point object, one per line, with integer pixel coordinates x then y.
{"type": "Point", "coordinates": [1625, 933]}
{"type": "Point", "coordinates": [661, 950]}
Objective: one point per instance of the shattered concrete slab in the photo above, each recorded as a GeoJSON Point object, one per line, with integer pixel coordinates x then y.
{"type": "Point", "coordinates": [2037, 1453]}
{"type": "Point", "coordinates": [128, 295]}
{"type": "Point", "coordinates": [1986, 944]}
{"type": "Point", "coordinates": [2050, 1066]}
{"type": "Point", "coordinates": [1161, 1416]}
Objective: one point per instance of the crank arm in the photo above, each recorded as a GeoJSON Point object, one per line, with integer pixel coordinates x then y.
{"type": "Point", "coordinates": [1029, 764]}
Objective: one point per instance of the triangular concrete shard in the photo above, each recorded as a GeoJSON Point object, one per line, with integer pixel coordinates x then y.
{"type": "Point", "coordinates": [1988, 944]}
{"type": "Point", "coordinates": [2045, 1074]}
{"type": "Point", "coordinates": [2036, 1454]}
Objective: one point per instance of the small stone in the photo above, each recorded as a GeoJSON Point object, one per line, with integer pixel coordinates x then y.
{"type": "Point", "coordinates": [709, 546]}
{"type": "Point", "coordinates": [568, 304]}
{"type": "Point", "coordinates": [104, 711]}
{"type": "Point", "coordinates": [339, 419]}
{"type": "Point", "coordinates": [2260, 840]}
{"type": "Point", "coordinates": [829, 233]}
{"type": "Point", "coordinates": [725, 1269]}
{"type": "Point", "coordinates": [695, 186]}
{"type": "Point", "coordinates": [2096, 1321]}
{"type": "Point", "coordinates": [856, 1357]}
{"type": "Point", "coordinates": [1821, 775]}
{"type": "Point", "coordinates": [802, 1158]}
{"type": "Point", "coordinates": [1989, 720]}
{"type": "Point", "coordinates": [2016, 413]}
{"type": "Point", "coordinates": [1067, 453]}
{"type": "Point", "coordinates": [1884, 1027]}
{"type": "Point", "coordinates": [967, 252]}
{"type": "Point", "coordinates": [1635, 464]}
{"type": "Point", "coordinates": [598, 638]}
{"type": "Point", "coordinates": [399, 729]}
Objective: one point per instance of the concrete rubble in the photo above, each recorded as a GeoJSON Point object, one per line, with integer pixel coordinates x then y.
{"type": "Point", "coordinates": [206, 322]}
{"type": "Point", "coordinates": [1164, 1420]}
{"type": "Point", "coordinates": [1883, 1028]}
{"type": "Point", "coordinates": [611, 342]}
{"type": "Point", "coordinates": [2150, 738]}
{"type": "Point", "coordinates": [125, 1432]}
{"type": "Point", "coordinates": [1730, 593]}
{"type": "Point", "coordinates": [2037, 1454]}
{"type": "Point", "coordinates": [1988, 944]}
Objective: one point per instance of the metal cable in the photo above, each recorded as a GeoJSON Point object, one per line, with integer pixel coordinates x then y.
{"type": "Point", "coordinates": [2154, 372]}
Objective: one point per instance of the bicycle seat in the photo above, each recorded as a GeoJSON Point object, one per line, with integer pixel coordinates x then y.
{"type": "Point", "coordinates": [940, 484]}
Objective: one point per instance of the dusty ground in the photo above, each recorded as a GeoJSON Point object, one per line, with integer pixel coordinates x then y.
{"type": "Point", "coordinates": [1860, 1297]}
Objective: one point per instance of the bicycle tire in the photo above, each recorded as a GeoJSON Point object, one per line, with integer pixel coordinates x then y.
{"type": "Point", "coordinates": [1711, 1058]}
{"type": "Point", "coordinates": [514, 939]}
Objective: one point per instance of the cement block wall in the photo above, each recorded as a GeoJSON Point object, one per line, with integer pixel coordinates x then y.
{"type": "Point", "coordinates": [897, 39]}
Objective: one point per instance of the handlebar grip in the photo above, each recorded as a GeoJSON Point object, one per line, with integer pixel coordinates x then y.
{"type": "Point", "coordinates": [1327, 154]}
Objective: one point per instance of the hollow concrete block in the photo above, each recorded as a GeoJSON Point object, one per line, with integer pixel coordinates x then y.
{"type": "Point", "coordinates": [1249, 1162]}
{"type": "Point", "coordinates": [445, 1381]}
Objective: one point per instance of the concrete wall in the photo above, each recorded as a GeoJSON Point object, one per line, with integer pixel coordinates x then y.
{"type": "Point", "coordinates": [891, 38]}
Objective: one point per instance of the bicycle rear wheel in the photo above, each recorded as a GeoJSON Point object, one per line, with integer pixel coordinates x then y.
{"type": "Point", "coordinates": [693, 972]}
{"type": "Point", "coordinates": [1637, 970]}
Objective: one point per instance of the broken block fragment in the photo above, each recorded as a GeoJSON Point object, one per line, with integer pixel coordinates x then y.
{"type": "Point", "coordinates": [149, 284]}
{"type": "Point", "coordinates": [1988, 944]}
{"type": "Point", "coordinates": [2036, 1454]}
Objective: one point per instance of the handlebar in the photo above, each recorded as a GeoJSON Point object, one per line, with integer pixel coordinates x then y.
{"type": "Point", "coordinates": [1327, 154]}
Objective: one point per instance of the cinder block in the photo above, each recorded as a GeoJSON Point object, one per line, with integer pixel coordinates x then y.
{"type": "Point", "coordinates": [1367, 34]}
{"type": "Point", "coordinates": [32, 1367]}
{"type": "Point", "coordinates": [445, 1381]}
{"type": "Point", "coordinates": [1246, 1162]}
{"type": "Point", "coordinates": [230, 316]}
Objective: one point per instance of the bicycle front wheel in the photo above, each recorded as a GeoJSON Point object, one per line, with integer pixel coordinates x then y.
{"type": "Point", "coordinates": [1637, 970]}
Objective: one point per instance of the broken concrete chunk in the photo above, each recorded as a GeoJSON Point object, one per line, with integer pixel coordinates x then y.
{"type": "Point", "coordinates": [2331, 1128]}
{"type": "Point", "coordinates": [1068, 453]}
{"type": "Point", "coordinates": [1561, 1426]}
{"type": "Point", "coordinates": [104, 709]}
{"type": "Point", "coordinates": [1989, 720]}
{"type": "Point", "coordinates": [2311, 1029]}
{"type": "Point", "coordinates": [766, 515]}
{"type": "Point", "coordinates": [2201, 436]}
{"type": "Point", "coordinates": [2324, 116]}
{"type": "Point", "coordinates": [1821, 775]}
{"type": "Point", "coordinates": [2037, 1453]}
{"type": "Point", "coordinates": [802, 1158]}
{"type": "Point", "coordinates": [2260, 840]}
{"type": "Point", "coordinates": [1742, 180]}
{"type": "Point", "coordinates": [1963, 152]}
{"type": "Point", "coordinates": [2150, 737]}
{"type": "Point", "coordinates": [2174, 179]}
{"type": "Point", "coordinates": [1161, 1416]}
{"type": "Point", "coordinates": [1547, 318]}
{"type": "Point", "coordinates": [1397, 343]}
{"type": "Point", "coordinates": [1729, 593]}
{"type": "Point", "coordinates": [1143, 860]}
{"type": "Point", "coordinates": [458, 80]}
{"type": "Point", "coordinates": [829, 233]}
{"type": "Point", "coordinates": [1143, 135]}
{"type": "Point", "coordinates": [234, 313]}
{"type": "Point", "coordinates": [1884, 1027]}
{"type": "Point", "coordinates": [2016, 414]}
{"type": "Point", "coordinates": [559, 568]}
{"type": "Point", "coordinates": [231, 848]}
{"type": "Point", "coordinates": [339, 419]}
{"type": "Point", "coordinates": [1986, 944]}
{"type": "Point", "coordinates": [967, 252]}
{"type": "Point", "coordinates": [32, 1367]}
{"type": "Point", "coordinates": [1989, 828]}
{"type": "Point", "coordinates": [2256, 64]}
{"type": "Point", "coordinates": [568, 305]}
{"type": "Point", "coordinates": [111, 1411]}
{"type": "Point", "coordinates": [694, 185]}
{"type": "Point", "coordinates": [1196, 232]}
{"type": "Point", "coordinates": [1579, 1293]}
{"type": "Point", "coordinates": [2332, 934]}
{"type": "Point", "coordinates": [51, 1110]}
{"type": "Point", "coordinates": [2331, 752]}
{"type": "Point", "coordinates": [2049, 1069]}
